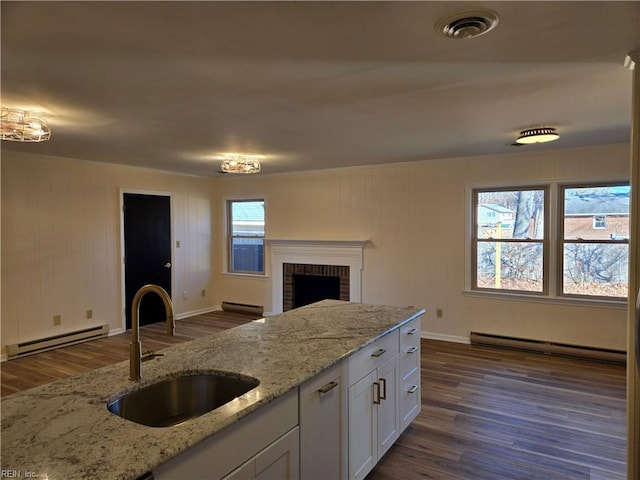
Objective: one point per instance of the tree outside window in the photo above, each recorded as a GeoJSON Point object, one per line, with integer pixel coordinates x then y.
{"type": "Point", "coordinates": [595, 260]}
{"type": "Point", "coordinates": [509, 239]}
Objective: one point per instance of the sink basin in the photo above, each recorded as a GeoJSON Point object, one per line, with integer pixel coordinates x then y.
{"type": "Point", "coordinates": [176, 400]}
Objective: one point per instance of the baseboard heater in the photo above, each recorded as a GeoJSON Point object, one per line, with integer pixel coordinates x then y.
{"type": "Point", "coordinates": [243, 308]}
{"type": "Point", "coordinates": [56, 341]}
{"type": "Point", "coordinates": [549, 348]}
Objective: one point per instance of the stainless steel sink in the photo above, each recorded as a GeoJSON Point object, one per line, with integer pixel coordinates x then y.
{"type": "Point", "coordinates": [176, 400]}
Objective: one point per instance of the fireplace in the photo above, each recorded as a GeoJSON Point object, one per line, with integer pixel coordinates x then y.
{"type": "Point", "coordinates": [305, 283]}
{"type": "Point", "coordinates": [323, 258]}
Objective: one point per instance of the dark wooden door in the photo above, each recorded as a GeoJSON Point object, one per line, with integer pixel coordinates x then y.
{"type": "Point", "coordinates": [147, 250]}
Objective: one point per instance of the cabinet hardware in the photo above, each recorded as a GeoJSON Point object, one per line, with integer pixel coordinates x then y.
{"type": "Point", "coordinates": [412, 350]}
{"type": "Point", "coordinates": [413, 331]}
{"type": "Point", "coordinates": [328, 387]}
{"type": "Point", "coordinates": [412, 389]}
{"type": "Point", "coordinates": [376, 393]}
{"type": "Point", "coordinates": [383, 382]}
{"type": "Point", "coordinates": [378, 353]}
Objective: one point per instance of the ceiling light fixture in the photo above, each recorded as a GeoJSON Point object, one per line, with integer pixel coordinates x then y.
{"type": "Point", "coordinates": [23, 126]}
{"type": "Point", "coordinates": [240, 164]}
{"type": "Point", "coordinates": [468, 24]}
{"type": "Point", "coordinates": [537, 135]}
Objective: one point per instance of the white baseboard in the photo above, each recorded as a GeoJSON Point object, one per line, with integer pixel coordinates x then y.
{"type": "Point", "coordinates": [445, 338]}
{"type": "Point", "coordinates": [115, 331]}
{"type": "Point", "coordinates": [200, 311]}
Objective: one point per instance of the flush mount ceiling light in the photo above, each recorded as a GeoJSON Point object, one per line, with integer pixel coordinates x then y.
{"type": "Point", "coordinates": [468, 24]}
{"type": "Point", "coordinates": [537, 135]}
{"type": "Point", "coordinates": [23, 126]}
{"type": "Point", "coordinates": [240, 164]}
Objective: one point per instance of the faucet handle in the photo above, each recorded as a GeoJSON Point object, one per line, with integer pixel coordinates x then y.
{"type": "Point", "coordinates": [150, 355]}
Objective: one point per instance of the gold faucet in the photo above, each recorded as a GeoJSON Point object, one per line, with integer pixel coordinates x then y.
{"type": "Point", "coordinates": [135, 352]}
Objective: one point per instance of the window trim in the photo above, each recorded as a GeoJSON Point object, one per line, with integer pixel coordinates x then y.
{"type": "Point", "coordinates": [552, 214]}
{"type": "Point", "coordinates": [229, 237]}
{"type": "Point", "coordinates": [561, 241]}
{"type": "Point", "coordinates": [475, 191]}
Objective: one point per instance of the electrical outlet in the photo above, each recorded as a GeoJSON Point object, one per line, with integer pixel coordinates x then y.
{"type": "Point", "coordinates": [439, 313]}
{"type": "Point", "coordinates": [57, 320]}
{"type": "Point", "coordinates": [89, 314]}
{"type": "Point", "coordinates": [202, 293]}
{"type": "Point", "coordinates": [184, 295]}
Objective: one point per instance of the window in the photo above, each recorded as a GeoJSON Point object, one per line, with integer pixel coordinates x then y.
{"type": "Point", "coordinates": [511, 244]}
{"type": "Point", "coordinates": [599, 221]}
{"type": "Point", "coordinates": [594, 261]}
{"type": "Point", "coordinates": [509, 247]}
{"type": "Point", "coordinates": [245, 220]}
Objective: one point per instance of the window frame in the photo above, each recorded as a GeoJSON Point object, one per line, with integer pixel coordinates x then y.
{"type": "Point", "coordinates": [230, 237]}
{"type": "Point", "coordinates": [561, 241]}
{"type": "Point", "coordinates": [475, 241]}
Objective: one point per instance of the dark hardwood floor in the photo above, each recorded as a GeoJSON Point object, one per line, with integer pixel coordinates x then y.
{"type": "Point", "coordinates": [491, 414]}
{"type": "Point", "coordinates": [487, 414]}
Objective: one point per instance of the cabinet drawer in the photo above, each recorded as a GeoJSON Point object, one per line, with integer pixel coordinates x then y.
{"type": "Point", "coordinates": [372, 356]}
{"type": "Point", "coordinates": [410, 399]}
{"type": "Point", "coordinates": [409, 359]}
{"type": "Point", "coordinates": [410, 333]}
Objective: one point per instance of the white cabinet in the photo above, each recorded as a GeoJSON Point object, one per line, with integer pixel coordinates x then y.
{"type": "Point", "coordinates": [259, 434]}
{"type": "Point", "coordinates": [373, 403]}
{"type": "Point", "coordinates": [409, 360]}
{"type": "Point", "coordinates": [279, 461]}
{"type": "Point", "coordinates": [323, 433]}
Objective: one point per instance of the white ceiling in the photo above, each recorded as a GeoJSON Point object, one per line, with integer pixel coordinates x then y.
{"type": "Point", "coordinates": [308, 85]}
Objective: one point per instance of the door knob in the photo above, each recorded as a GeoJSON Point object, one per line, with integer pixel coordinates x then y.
{"type": "Point", "coordinates": [167, 265]}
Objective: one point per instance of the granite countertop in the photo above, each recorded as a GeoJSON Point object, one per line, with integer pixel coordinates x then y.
{"type": "Point", "coordinates": [63, 430]}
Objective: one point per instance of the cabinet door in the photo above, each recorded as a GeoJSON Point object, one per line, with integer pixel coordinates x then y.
{"type": "Point", "coordinates": [388, 408]}
{"type": "Point", "coordinates": [323, 402]}
{"type": "Point", "coordinates": [362, 427]}
{"type": "Point", "coordinates": [279, 461]}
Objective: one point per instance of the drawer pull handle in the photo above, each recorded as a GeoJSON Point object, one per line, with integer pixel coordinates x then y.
{"type": "Point", "coordinates": [413, 331]}
{"type": "Point", "coordinates": [378, 353]}
{"type": "Point", "coordinates": [412, 389]}
{"type": "Point", "coordinates": [328, 387]}
{"type": "Point", "coordinates": [376, 393]}
{"type": "Point", "coordinates": [412, 350]}
{"type": "Point", "coordinates": [383, 382]}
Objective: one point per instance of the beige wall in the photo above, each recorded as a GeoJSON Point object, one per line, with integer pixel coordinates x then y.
{"type": "Point", "coordinates": [414, 216]}
{"type": "Point", "coordinates": [61, 242]}
{"type": "Point", "coordinates": [61, 236]}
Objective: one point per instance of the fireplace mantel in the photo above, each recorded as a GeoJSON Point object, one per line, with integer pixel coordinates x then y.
{"type": "Point", "coordinates": [315, 252]}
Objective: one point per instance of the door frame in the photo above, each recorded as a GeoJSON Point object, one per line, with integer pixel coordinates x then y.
{"type": "Point", "coordinates": [123, 295]}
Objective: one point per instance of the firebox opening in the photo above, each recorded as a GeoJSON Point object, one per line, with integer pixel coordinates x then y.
{"type": "Point", "coordinates": [313, 288]}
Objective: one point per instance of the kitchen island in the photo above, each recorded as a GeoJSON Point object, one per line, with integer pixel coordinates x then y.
{"type": "Point", "coordinates": [63, 430]}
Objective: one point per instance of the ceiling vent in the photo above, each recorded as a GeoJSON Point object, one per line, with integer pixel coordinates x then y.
{"type": "Point", "coordinates": [468, 24]}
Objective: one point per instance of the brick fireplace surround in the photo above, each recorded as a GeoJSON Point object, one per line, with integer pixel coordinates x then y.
{"type": "Point", "coordinates": [291, 269]}
{"type": "Point", "coordinates": [315, 257]}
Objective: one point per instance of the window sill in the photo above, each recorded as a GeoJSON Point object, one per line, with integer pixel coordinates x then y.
{"type": "Point", "coordinates": [518, 297]}
{"type": "Point", "coordinates": [257, 276]}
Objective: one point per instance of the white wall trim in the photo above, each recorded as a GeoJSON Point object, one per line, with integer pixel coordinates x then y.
{"type": "Point", "coordinates": [199, 311]}
{"type": "Point", "coordinates": [445, 338]}
{"type": "Point", "coordinates": [315, 252]}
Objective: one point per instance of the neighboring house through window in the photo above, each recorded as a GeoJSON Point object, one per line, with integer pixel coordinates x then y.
{"type": "Point", "coordinates": [511, 244]}
{"type": "Point", "coordinates": [509, 239]}
{"type": "Point", "coordinates": [246, 226]}
{"type": "Point", "coordinates": [595, 240]}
